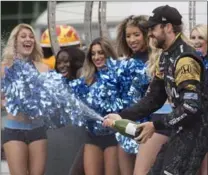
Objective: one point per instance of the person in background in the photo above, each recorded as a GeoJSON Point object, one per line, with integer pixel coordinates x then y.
{"type": "Point", "coordinates": [24, 140]}
{"type": "Point", "coordinates": [198, 37]}
{"type": "Point", "coordinates": [67, 36]}
{"type": "Point", "coordinates": [69, 62]}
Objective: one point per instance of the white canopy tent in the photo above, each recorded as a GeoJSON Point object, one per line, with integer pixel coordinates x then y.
{"type": "Point", "coordinates": [72, 13]}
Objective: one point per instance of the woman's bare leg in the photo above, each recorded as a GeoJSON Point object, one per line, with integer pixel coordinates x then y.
{"type": "Point", "coordinates": [93, 160]}
{"type": "Point", "coordinates": [37, 157]}
{"type": "Point", "coordinates": [111, 161]}
{"type": "Point", "coordinates": [126, 162]}
{"type": "Point", "coordinates": [148, 152]}
{"type": "Point", "coordinates": [204, 166]}
{"type": "Point", "coordinates": [17, 157]}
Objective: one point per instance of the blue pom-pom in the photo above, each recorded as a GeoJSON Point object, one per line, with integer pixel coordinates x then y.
{"type": "Point", "coordinates": [103, 96]}
{"type": "Point", "coordinates": [134, 83]}
{"type": "Point", "coordinates": [129, 145]}
{"type": "Point", "coordinates": [43, 95]}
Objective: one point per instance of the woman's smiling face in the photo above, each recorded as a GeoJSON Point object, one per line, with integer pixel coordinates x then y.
{"type": "Point", "coordinates": [63, 64]}
{"type": "Point", "coordinates": [25, 43]}
{"type": "Point", "coordinates": [135, 39]}
{"type": "Point", "coordinates": [199, 42]}
{"type": "Point", "coordinates": [98, 56]}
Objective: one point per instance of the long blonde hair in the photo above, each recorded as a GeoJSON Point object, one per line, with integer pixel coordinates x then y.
{"type": "Point", "coordinates": [89, 69]}
{"type": "Point", "coordinates": [202, 29]}
{"type": "Point", "coordinates": [136, 21]}
{"type": "Point", "coordinates": [9, 51]}
{"type": "Point", "coordinates": [154, 54]}
{"type": "Point", "coordinates": [179, 29]}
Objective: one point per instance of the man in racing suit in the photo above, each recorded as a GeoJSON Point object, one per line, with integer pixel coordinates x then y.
{"type": "Point", "coordinates": [180, 78]}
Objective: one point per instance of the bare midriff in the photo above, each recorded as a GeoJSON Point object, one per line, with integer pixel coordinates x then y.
{"type": "Point", "coordinates": [20, 117]}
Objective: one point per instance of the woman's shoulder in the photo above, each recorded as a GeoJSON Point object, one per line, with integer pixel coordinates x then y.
{"type": "Point", "coordinates": [41, 66]}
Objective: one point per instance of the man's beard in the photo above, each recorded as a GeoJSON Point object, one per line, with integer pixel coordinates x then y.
{"type": "Point", "coordinates": [159, 43]}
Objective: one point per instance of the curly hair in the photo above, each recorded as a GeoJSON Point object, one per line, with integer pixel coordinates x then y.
{"type": "Point", "coordinates": [136, 21]}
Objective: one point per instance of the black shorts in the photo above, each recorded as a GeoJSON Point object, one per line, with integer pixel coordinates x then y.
{"type": "Point", "coordinates": [157, 117]}
{"type": "Point", "coordinates": [101, 141]}
{"type": "Point", "coordinates": [27, 136]}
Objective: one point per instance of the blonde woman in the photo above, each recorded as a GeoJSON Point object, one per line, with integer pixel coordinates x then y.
{"type": "Point", "coordinates": [24, 141]}
{"type": "Point", "coordinates": [198, 37]}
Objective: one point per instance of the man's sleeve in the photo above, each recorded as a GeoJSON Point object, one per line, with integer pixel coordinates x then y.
{"type": "Point", "coordinates": [187, 79]}
{"type": "Point", "coordinates": [153, 100]}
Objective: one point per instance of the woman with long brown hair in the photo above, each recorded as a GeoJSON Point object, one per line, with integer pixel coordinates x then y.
{"type": "Point", "coordinates": [100, 150]}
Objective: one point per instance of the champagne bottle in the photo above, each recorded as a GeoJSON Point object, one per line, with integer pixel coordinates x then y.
{"type": "Point", "coordinates": [127, 128]}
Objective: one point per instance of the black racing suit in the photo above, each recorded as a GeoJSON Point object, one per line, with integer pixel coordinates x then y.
{"type": "Point", "coordinates": [180, 78]}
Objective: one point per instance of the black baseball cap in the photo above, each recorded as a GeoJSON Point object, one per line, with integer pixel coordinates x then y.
{"type": "Point", "coordinates": [163, 15]}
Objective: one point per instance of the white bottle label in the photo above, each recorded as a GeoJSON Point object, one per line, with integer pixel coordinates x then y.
{"type": "Point", "coordinates": [131, 129]}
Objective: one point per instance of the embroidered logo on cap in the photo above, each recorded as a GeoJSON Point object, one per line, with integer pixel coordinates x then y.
{"type": "Point", "coordinates": [164, 19]}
